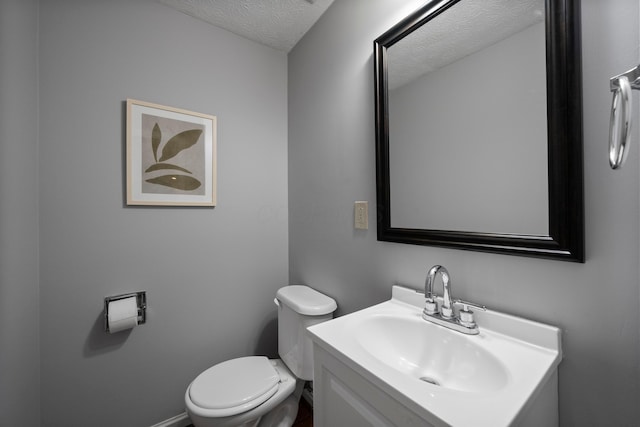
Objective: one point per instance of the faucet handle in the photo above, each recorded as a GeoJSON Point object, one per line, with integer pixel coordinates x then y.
{"type": "Point", "coordinates": [466, 304]}
{"type": "Point", "coordinates": [466, 315]}
{"type": "Point", "coordinates": [430, 306]}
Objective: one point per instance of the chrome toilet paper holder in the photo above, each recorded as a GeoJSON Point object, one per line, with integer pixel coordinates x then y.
{"type": "Point", "coordinates": [141, 302]}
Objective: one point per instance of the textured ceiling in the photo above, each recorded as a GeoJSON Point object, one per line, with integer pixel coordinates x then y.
{"type": "Point", "coordinates": [276, 23]}
{"type": "Point", "coordinates": [467, 27]}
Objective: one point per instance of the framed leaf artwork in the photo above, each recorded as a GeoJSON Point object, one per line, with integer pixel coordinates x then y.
{"type": "Point", "coordinates": [171, 156]}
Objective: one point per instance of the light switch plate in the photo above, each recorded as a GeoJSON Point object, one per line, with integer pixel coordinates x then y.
{"type": "Point", "coordinates": [361, 212]}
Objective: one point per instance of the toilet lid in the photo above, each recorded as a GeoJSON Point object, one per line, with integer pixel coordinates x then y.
{"type": "Point", "coordinates": [236, 385]}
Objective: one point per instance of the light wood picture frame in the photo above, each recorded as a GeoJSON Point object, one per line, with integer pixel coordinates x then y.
{"type": "Point", "coordinates": [171, 156]}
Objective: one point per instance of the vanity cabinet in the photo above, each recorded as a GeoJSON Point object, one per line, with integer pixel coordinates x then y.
{"type": "Point", "coordinates": [343, 397]}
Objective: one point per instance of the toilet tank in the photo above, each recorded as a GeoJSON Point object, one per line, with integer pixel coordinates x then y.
{"type": "Point", "coordinates": [298, 308]}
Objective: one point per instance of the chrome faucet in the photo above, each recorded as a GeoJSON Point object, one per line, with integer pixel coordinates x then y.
{"type": "Point", "coordinates": [447, 302]}
{"type": "Point", "coordinates": [445, 315]}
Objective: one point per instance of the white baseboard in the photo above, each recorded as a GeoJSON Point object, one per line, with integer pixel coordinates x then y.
{"type": "Point", "coordinates": [180, 420]}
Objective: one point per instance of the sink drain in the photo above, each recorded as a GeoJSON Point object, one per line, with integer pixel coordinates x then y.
{"type": "Point", "coordinates": [430, 380]}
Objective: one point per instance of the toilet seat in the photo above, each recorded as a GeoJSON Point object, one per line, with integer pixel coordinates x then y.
{"type": "Point", "coordinates": [235, 386]}
{"type": "Point", "coordinates": [203, 417]}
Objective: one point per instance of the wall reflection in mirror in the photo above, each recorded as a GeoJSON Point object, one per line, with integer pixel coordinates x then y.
{"type": "Point", "coordinates": [467, 104]}
{"type": "Point", "coordinates": [478, 127]}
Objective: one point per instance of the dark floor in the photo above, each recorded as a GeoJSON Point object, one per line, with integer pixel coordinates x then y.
{"type": "Point", "coordinates": [304, 418]}
{"type": "Point", "coordinates": [305, 415]}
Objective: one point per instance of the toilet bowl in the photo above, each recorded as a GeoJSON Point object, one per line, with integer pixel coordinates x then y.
{"type": "Point", "coordinates": [255, 391]}
{"type": "Point", "coordinates": [239, 392]}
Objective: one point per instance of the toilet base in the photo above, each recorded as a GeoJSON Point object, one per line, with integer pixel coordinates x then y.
{"type": "Point", "coordinates": [284, 415]}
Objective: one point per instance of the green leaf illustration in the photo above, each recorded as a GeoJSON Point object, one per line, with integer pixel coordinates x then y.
{"type": "Point", "coordinates": [180, 182]}
{"type": "Point", "coordinates": [180, 142]}
{"type": "Point", "coordinates": [160, 166]}
{"type": "Point", "coordinates": [156, 136]}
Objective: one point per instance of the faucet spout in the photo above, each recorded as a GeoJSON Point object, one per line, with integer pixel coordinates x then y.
{"type": "Point", "coordinates": [447, 299]}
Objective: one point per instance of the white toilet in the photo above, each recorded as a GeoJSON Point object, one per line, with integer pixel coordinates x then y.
{"type": "Point", "coordinates": [255, 391]}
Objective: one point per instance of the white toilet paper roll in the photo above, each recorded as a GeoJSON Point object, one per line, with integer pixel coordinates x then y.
{"type": "Point", "coordinates": [121, 325]}
{"type": "Point", "coordinates": [123, 314]}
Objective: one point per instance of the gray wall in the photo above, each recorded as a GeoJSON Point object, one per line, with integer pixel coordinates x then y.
{"type": "Point", "coordinates": [19, 338]}
{"type": "Point", "coordinates": [210, 274]}
{"type": "Point", "coordinates": [331, 164]}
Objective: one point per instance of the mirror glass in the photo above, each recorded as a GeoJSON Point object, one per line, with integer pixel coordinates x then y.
{"type": "Point", "coordinates": [473, 81]}
{"type": "Point", "coordinates": [475, 148]}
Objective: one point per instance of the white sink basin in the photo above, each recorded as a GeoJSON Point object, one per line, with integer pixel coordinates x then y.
{"type": "Point", "coordinates": [429, 353]}
{"type": "Point", "coordinates": [448, 378]}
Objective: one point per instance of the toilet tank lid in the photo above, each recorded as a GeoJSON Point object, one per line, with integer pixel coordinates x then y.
{"type": "Point", "coordinates": [304, 300]}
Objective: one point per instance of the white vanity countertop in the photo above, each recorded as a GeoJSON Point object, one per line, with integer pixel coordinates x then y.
{"type": "Point", "coordinates": [506, 364]}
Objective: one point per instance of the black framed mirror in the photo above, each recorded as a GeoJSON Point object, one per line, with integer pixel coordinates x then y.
{"type": "Point", "coordinates": [423, 166]}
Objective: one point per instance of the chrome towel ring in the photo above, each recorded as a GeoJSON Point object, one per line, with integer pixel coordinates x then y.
{"type": "Point", "coordinates": [620, 120]}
